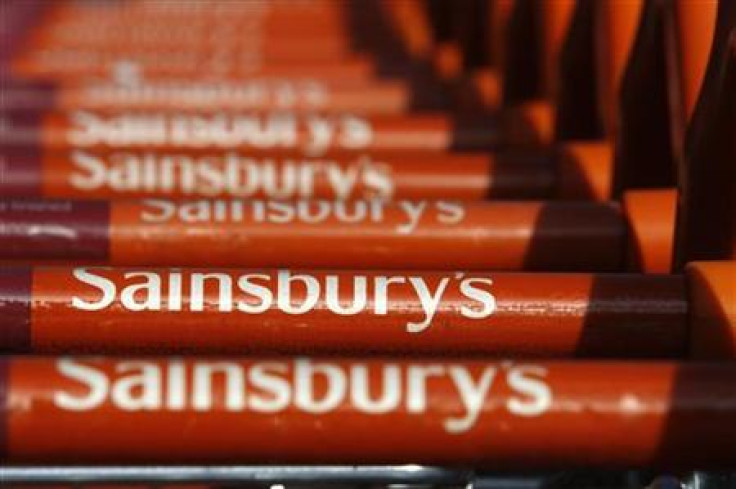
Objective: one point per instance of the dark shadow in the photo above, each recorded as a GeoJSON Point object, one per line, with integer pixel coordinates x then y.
{"type": "Point", "coordinates": [474, 35]}
{"type": "Point", "coordinates": [577, 113]}
{"type": "Point", "coordinates": [714, 339]}
{"type": "Point", "coordinates": [520, 174]}
{"type": "Point", "coordinates": [476, 132]}
{"type": "Point", "coordinates": [646, 318]}
{"type": "Point", "coordinates": [521, 70]}
{"type": "Point", "coordinates": [373, 33]}
{"type": "Point", "coordinates": [706, 227]}
{"type": "Point", "coordinates": [441, 16]}
{"type": "Point", "coordinates": [465, 22]}
{"type": "Point", "coordinates": [699, 431]}
{"type": "Point", "coordinates": [624, 318]}
{"type": "Point", "coordinates": [577, 237]}
{"type": "Point", "coordinates": [644, 156]}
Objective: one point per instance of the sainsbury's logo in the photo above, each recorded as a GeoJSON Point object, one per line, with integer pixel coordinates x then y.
{"type": "Point", "coordinates": [312, 134]}
{"type": "Point", "coordinates": [454, 396]}
{"type": "Point", "coordinates": [229, 175]}
{"type": "Point", "coordinates": [286, 292]}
